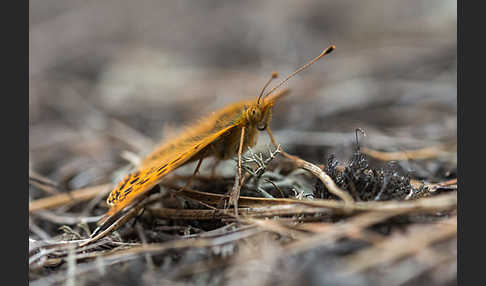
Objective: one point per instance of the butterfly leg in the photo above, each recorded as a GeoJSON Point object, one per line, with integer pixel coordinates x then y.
{"type": "Point", "coordinates": [193, 174]}
{"type": "Point", "coordinates": [235, 193]}
{"type": "Point", "coordinates": [274, 142]}
{"type": "Point", "coordinates": [316, 171]}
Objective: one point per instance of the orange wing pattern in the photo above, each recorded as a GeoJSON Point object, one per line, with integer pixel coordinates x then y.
{"type": "Point", "coordinates": [139, 182]}
{"type": "Point", "coordinates": [198, 132]}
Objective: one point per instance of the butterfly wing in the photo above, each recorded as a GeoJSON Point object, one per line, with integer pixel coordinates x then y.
{"type": "Point", "coordinates": [139, 182]}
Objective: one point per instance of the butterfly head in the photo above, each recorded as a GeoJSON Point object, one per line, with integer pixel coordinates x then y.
{"type": "Point", "coordinates": [259, 114]}
{"type": "Point", "coordinates": [254, 116]}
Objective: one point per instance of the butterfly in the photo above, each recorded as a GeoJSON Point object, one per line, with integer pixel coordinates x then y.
{"type": "Point", "coordinates": [223, 134]}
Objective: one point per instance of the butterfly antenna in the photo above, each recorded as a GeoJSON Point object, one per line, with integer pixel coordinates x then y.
{"type": "Point", "coordinates": [325, 52]}
{"type": "Point", "coordinates": [274, 75]}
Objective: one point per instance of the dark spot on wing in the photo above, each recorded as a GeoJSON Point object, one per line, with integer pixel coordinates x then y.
{"type": "Point", "coordinates": [124, 183]}
{"type": "Point", "coordinates": [162, 167]}
{"type": "Point", "coordinates": [127, 191]}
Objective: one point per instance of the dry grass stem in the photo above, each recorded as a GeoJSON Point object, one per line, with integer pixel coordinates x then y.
{"type": "Point", "coordinates": [399, 246]}
{"type": "Point", "coordinates": [436, 203]}
{"type": "Point", "coordinates": [73, 197]}
{"type": "Point", "coordinates": [266, 211]}
{"type": "Point", "coordinates": [419, 154]}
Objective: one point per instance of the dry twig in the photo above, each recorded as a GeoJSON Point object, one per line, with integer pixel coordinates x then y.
{"type": "Point", "coordinates": [73, 197]}
{"type": "Point", "coordinates": [400, 246]}
{"type": "Point", "coordinates": [419, 154]}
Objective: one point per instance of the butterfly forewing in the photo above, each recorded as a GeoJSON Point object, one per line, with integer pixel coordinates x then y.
{"type": "Point", "coordinates": [151, 172]}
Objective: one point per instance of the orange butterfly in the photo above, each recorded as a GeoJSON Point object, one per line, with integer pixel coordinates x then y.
{"type": "Point", "coordinates": [223, 134]}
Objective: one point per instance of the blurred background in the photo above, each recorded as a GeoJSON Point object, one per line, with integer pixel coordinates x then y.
{"type": "Point", "coordinates": [112, 76]}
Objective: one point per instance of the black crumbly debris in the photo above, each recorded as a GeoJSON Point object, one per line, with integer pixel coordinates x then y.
{"type": "Point", "coordinates": [365, 183]}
